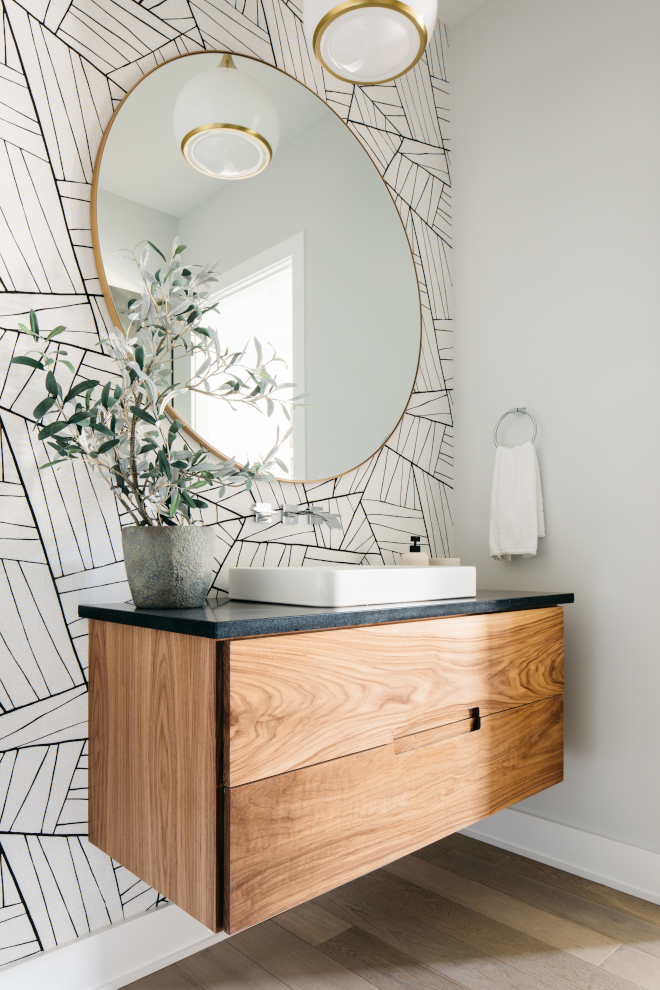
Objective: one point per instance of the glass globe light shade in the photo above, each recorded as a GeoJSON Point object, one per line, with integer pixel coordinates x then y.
{"type": "Point", "coordinates": [226, 123]}
{"type": "Point", "coordinates": [368, 41]}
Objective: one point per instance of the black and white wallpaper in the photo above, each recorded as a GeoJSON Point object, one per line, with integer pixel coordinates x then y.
{"type": "Point", "coordinates": [64, 67]}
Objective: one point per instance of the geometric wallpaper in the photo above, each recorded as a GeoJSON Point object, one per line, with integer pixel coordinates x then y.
{"type": "Point", "coordinates": [64, 66]}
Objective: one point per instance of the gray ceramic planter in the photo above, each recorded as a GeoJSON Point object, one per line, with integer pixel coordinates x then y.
{"type": "Point", "coordinates": [168, 566]}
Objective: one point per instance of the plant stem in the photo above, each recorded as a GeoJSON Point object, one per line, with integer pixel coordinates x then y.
{"type": "Point", "coordinates": [133, 468]}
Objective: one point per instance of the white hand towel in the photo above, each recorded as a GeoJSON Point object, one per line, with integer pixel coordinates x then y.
{"type": "Point", "coordinates": [516, 505]}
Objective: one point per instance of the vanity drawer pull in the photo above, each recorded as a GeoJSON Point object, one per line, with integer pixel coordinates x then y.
{"type": "Point", "coordinates": [405, 744]}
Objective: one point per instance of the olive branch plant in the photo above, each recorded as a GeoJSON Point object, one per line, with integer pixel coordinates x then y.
{"type": "Point", "coordinates": [120, 427]}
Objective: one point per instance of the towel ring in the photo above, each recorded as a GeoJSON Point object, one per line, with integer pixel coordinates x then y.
{"type": "Point", "coordinates": [518, 409]}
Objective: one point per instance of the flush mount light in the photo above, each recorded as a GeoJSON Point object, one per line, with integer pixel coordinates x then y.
{"type": "Point", "coordinates": [226, 123]}
{"type": "Point", "coordinates": [368, 41]}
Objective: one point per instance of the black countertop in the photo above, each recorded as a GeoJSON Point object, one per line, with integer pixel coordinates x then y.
{"type": "Point", "coordinates": [224, 618]}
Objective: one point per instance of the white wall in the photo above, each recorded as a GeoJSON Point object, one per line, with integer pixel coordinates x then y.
{"type": "Point", "coordinates": [361, 296]}
{"type": "Point", "coordinates": [557, 304]}
{"type": "Point", "coordinates": [123, 223]}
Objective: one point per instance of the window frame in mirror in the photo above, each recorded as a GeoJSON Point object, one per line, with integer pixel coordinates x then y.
{"type": "Point", "coordinates": [186, 429]}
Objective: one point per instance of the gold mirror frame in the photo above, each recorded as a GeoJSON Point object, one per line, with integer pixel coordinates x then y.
{"type": "Point", "coordinates": [105, 288]}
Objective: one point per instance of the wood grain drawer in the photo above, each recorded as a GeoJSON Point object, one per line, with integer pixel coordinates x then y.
{"type": "Point", "coordinates": [294, 836]}
{"type": "Point", "coordinates": [296, 700]}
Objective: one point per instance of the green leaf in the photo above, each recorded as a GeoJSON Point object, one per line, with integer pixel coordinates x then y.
{"type": "Point", "coordinates": [108, 445]}
{"type": "Point", "coordinates": [34, 323]}
{"type": "Point", "coordinates": [141, 414]}
{"type": "Point", "coordinates": [187, 499]}
{"type": "Point", "coordinates": [180, 248]}
{"type": "Point", "coordinates": [55, 332]}
{"type": "Point", "coordinates": [118, 392]}
{"type": "Point", "coordinates": [157, 250]}
{"type": "Point", "coordinates": [174, 429]}
{"type": "Point", "coordinates": [105, 394]}
{"type": "Point", "coordinates": [85, 386]}
{"type": "Point", "coordinates": [174, 504]}
{"type": "Point", "coordinates": [79, 417]}
{"type": "Point", "coordinates": [101, 428]}
{"type": "Point", "coordinates": [59, 460]}
{"type": "Point", "coordinates": [119, 478]}
{"type": "Point", "coordinates": [51, 384]}
{"type": "Point", "coordinates": [43, 407]}
{"type": "Point", "coordinates": [31, 363]}
{"type": "Point", "coordinates": [200, 505]}
{"type": "Point", "coordinates": [164, 464]}
{"type": "Point", "coordinates": [139, 356]}
{"type": "Point", "coordinates": [69, 365]}
{"type": "Point", "coordinates": [52, 429]}
{"type": "Point", "coordinates": [186, 272]}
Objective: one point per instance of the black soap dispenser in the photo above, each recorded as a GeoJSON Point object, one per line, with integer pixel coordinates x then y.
{"type": "Point", "coordinates": [415, 556]}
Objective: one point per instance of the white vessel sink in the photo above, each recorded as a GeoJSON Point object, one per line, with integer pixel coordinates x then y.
{"type": "Point", "coordinates": [340, 587]}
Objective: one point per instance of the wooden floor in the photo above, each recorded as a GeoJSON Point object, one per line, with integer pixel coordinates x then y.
{"type": "Point", "coordinates": [458, 914]}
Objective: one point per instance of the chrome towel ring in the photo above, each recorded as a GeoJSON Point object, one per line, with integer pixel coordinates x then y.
{"type": "Point", "coordinates": [518, 409]}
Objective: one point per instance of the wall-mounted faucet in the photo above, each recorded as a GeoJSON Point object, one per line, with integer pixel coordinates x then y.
{"type": "Point", "coordinates": [263, 512]}
{"type": "Point", "coordinates": [316, 514]}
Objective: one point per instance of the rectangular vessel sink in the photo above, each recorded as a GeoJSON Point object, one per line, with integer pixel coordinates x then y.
{"type": "Point", "coordinates": [341, 587]}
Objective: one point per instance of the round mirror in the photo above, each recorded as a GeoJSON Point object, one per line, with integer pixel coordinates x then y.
{"type": "Point", "coordinates": [312, 257]}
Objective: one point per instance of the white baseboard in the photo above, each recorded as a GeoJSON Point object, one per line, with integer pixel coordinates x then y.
{"type": "Point", "coordinates": [615, 864]}
{"type": "Point", "coordinates": [115, 956]}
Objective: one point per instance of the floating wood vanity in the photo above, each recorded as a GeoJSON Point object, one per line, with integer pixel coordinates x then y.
{"type": "Point", "coordinates": [245, 758]}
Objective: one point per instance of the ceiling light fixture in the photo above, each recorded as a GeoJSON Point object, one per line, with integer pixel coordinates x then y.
{"type": "Point", "coordinates": [369, 41]}
{"type": "Point", "coordinates": [226, 123]}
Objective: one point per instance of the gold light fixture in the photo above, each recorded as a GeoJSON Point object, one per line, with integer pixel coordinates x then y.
{"type": "Point", "coordinates": [368, 41]}
{"type": "Point", "coordinates": [226, 123]}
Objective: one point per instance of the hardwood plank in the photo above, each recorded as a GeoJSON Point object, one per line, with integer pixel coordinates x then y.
{"type": "Point", "coordinates": [312, 923]}
{"type": "Point", "coordinates": [223, 967]}
{"type": "Point", "coordinates": [300, 966]}
{"type": "Point", "coordinates": [153, 763]}
{"type": "Point", "coordinates": [300, 699]}
{"type": "Point", "coordinates": [359, 902]}
{"type": "Point", "coordinates": [619, 926]}
{"type": "Point", "coordinates": [638, 967]}
{"type": "Point", "coordinates": [383, 966]}
{"type": "Point", "coordinates": [295, 836]}
{"type": "Point", "coordinates": [165, 979]}
{"type": "Point", "coordinates": [565, 935]}
{"type": "Point", "coordinates": [537, 959]}
{"type": "Point", "coordinates": [589, 889]}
